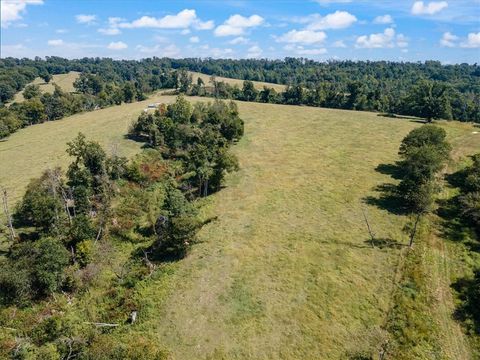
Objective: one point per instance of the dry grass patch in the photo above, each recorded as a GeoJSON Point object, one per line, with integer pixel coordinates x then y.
{"type": "Point", "coordinates": [65, 81]}
{"type": "Point", "coordinates": [258, 84]}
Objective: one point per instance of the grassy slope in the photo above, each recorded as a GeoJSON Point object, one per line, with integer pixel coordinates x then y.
{"type": "Point", "coordinates": [258, 84]}
{"type": "Point", "coordinates": [65, 81]}
{"type": "Point", "coordinates": [284, 272]}
{"type": "Point", "coordinates": [26, 153]}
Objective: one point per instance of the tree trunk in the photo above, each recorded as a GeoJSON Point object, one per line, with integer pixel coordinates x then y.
{"type": "Point", "coordinates": [7, 215]}
{"type": "Point", "coordinates": [370, 232]}
{"type": "Point", "coordinates": [414, 231]}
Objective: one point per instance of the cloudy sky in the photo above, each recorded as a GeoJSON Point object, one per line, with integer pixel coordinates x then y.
{"type": "Point", "coordinates": [400, 30]}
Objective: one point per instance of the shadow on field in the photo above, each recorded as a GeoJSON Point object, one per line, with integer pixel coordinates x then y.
{"type": "Point", "coordinates": [453, 225]}
{"type": "Point", "coordinates": [395, 116]}
{"type": "Point", "coordinates": [385, 243]}
{"type": "Point", "coordinates": [468, 311]}
{"type": "Point", "coordinates": [388, 198]}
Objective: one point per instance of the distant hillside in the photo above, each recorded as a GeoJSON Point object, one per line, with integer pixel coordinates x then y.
{"type": "Point", "coordinates": [259, 85]}
{"type": "Point", "coordinates": [65, 81]}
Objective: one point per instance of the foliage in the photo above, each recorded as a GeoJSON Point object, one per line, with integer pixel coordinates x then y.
{"type": "Point", "coordinates": [429, 89]}
{"type": "Point", "coordinates": [424, 151]}
{"type": "Point", "coordinates": [31, 91]}
{"type": "Point", "coordinates": [33, 270]}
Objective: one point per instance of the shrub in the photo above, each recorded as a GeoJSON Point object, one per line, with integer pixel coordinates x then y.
{"type": "Point", "coordinates": [84, 253]}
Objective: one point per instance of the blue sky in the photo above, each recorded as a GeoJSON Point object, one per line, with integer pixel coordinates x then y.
{"type": "Point", "coordinates": [401, 30]}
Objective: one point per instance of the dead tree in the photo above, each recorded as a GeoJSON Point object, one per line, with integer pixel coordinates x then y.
{"type": "Point", "coordinates": [370, 232]}
{"type": "Point", "coordinates": [414, 230]}
{"type": "Point", "coordinates": [7, 215]}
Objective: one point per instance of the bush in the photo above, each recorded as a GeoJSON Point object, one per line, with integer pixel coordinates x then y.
{"type": "Point", "coordinates": [33, 270]}
{"type": "Point", "coordinates": [84, 252]}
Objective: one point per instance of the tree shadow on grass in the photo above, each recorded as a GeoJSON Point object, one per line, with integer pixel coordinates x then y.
{"type": "Point", "coordinates": [388, 198]}
{"type": "Point", "coordinates": [385, 243]}
{"type": "Point", "coordinates": [395, 116]}
{"type": "Point", "coordinates": [468, 311]}
{"type": "Point", "coordinates": [393, 170]}
{"type": "Point", "coordinates": [453, 225]}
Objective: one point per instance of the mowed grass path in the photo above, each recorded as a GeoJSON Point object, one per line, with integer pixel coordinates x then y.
{"type": "Point", "coordinates": [286, 271]}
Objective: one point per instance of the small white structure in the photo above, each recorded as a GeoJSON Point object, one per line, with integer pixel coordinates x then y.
{"type": "Point", "coordinates": [151, 107]}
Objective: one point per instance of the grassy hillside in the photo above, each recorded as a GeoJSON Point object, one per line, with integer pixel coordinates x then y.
{"type": "Point", "coordinates": [285, 270]}
{"type": "Point", "coordinates": [258, 84]}
{"type": "Point", "coordinates": [65, 81]}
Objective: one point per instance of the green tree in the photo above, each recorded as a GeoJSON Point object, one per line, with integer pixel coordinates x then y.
{"type": "Point", "coordinates": [33, 270]}
{"type": "Point", "coordinates": [430, 100]}
{"type": "Point", "coordinates": [31, 91]}
{"type": "Point", "coordinates": [46, 77]}
{"type": "Point", "coordinates": [249, 93]}
{"type": "Point", "coordinates": [424, 152]}
{"type": "Point", "coordinates": [176, 226]}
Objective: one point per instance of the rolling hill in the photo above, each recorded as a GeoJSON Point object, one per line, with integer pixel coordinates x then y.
{"type": "Point", "coordinates": [285, 269]}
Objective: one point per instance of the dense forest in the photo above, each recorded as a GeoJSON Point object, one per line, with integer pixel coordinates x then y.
{"type": "Point", "coordinates": [429, 90]}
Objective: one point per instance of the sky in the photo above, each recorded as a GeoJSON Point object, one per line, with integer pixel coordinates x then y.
{"type": "Point", "coordinates": [396, 30]}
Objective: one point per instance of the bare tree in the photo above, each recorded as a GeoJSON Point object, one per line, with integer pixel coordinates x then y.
{"type": "Point", "coordinates": [7, 214]}
{"type": "Point", "coordinates": [414, 230]}
{"type": "Point", "coordinates": [370, 232]}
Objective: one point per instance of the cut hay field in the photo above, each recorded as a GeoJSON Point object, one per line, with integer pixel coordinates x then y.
{"type": "Point", "coordinates": [285, 270]}
{"type": "Point", "coordinates": [258, 84]}
{"type": "Point", "coordinates": [65, 81]}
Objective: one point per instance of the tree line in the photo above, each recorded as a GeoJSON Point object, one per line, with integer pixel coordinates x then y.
{"type": "Point", "coordinates": [430, 90]}
{"type": "Point", "coordinates": [67, 223]}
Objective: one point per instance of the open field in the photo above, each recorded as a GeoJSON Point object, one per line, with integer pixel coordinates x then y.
{"type": "Point", "coordinates": [258, 84]}
{"type": "Point", "coordinates": [285, 271]}
{"type": "Point", "coordinates": [65, 81]}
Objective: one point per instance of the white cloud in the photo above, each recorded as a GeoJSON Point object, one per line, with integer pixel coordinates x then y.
{"type": "Point", "coordinates": [383, 19]}
{"type": "Point", "coordinates": [339, 44]}
{"type": "Point", "coordinates": [12, 10]}
{"type": "Point", "coordinates": [431, 8]}
{"type": "Point", "coordinates": [85, 19]}
{"type": "Point", "coordinates": [160, 50]}
{"type": "Point", "coordinates": [473, 41]}
{"type": "Point", "coordinates": [113, 21]}
{"type": "Point", "coordinates": [204, 25]}
{"type": "Point", "coordinates": [236, 25]}
{"type": "Point", "coordinates": [110, 31]}
{"type": "Point", "coordinates": [387, 39]}
{"type": "Point", "coordinates": [303, 37]}
{"type": "Point", "coordinates": [112, 28]}
{"type": "Point", "coordinates": [239, 40]}
{"type": "Point", "coordinates": [61, 31]}
{"type": "Point", "coordinates": [117, 45]}
{"type": "Point", "coordinates": [254, 52]}
{"type": "Point", "coordinates": [221, 53]}
{"type": "Point", "coordinates": [302, 51]}
{"type": "Point", "coordinates": [448, 39]}
{"type": "Point", "coordinates": [194, 39]}
{"type": "Point", "coordinates": [182, 20]}
{"type": "Point", "coordinates": [336, 20]}
{"type": "Point", "coordinates": [56, 42]}
{"type": "Point", "coordinates": [402, 41]}
{"type": "Point", "coordinates": [185, 32]}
